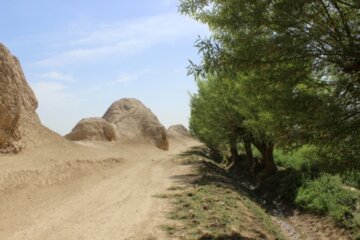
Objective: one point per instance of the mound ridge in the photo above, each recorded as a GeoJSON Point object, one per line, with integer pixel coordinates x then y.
{"type": "Point", "coordinates": [178, 131]}
{"type": "Point", "coordinates": [135, 122]}
{"type": "Point", "coordinates": [93, 129]}
{"type": "Point", "coordinates": [126, 120]}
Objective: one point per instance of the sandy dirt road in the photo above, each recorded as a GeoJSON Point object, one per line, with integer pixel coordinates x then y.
{"type": "Point", "coordinates": [115, 201]}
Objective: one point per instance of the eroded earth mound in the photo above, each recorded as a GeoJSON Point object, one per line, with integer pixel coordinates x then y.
{"type": "Point", "coordinates": [135, 122]}
{"type": "Point", "coordinates": [17, 103]}
{"type": "Point", "coordinates": [178, 131]}
{"type": "Point", "coordinates": [93, 129]}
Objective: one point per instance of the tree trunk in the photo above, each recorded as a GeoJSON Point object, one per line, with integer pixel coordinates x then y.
{"type": "Point", "coordinates": [249, 154]}
{"type": "Point", "coordinates": [234, 151]}
{"type": "Point", "coordinates": [266, 150]}
{"type": "Point", "coordinates": [237, 166]}
{"type": "Point", "coordinates": [269, 163]}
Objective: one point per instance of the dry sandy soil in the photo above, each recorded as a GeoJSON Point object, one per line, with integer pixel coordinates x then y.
{"type": "Point", "coordinates": [103, 190]}
{"type": "Point", "coordinates": [87, 191]}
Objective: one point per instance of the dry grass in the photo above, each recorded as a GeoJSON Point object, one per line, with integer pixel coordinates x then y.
{"type": "Point", "coordinates": [211, 207]}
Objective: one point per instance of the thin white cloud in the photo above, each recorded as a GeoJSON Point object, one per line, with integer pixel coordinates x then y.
{"type": "Point", "coordinates": [128, 77]}
{"type": "Point", "coordinates": [55, 75]}
{"type": "Point", "coordinates": [124, 39]}
{"type": "Point", "coordinates": [48, 88]}
{"type": "Point", "coordinates": [89, 54]}
{"type": "Point", "coordinates": [125, 78]}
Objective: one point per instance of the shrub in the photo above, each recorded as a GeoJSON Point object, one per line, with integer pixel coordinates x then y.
{"type": "Point", "coordinates": [351, 178]}
{"type": "Point", "coordinates": [304, 158]}
{"type": "Point", "coordinates": [326, 195]}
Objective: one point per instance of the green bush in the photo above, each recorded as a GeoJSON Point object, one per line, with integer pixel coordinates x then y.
{"type": "Point", "coordinates": [351, 178]}
{"type": "Point", "coordinates": [304, 158]}
{"type": "Point", "coordinates": [326, 195]}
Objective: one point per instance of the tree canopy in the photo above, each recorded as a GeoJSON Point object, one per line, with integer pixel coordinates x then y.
{"type": "Point", "coordinates": [286, 73]}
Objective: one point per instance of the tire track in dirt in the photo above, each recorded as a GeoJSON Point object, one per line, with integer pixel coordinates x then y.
{"type": "Point", "coordinates": [115, 203]}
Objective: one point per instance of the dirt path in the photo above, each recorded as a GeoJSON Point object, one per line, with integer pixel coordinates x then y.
{"type": "Point", "coordinates": [106, 191]}
{"type": "Point", "coordinates": [111, 203]}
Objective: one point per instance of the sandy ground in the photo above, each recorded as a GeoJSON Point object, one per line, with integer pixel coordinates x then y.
{"type": "Point", "coordinates": [88, 191]}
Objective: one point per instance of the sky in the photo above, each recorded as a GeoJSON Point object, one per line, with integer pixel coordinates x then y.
{"type": "Point", "coordinates": [79, 56]}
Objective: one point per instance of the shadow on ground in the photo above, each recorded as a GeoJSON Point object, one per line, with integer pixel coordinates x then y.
{"type": "Point", "coordinates": [226, 237]}
{"type": "Point", "coordinates": [213, 206]}
{"type": "Point", "coordinates": [204, 152]}
{"type": "Point", "coordinates": [266, 195]}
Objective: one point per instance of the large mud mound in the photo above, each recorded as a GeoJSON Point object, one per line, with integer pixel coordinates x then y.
{"type": "Point", "coordinates": [17, 103]}
{"type": "Point", "coordinates": [135, 122]}
{"type": "Point", "coordinates": [93, 129]}
{"type": "Point", "coordinates": [20, 126]}
{"type": "Point", "coordinates": [178, 131]}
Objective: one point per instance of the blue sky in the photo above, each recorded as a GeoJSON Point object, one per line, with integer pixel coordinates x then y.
{"type": "Point", "coordinates": [79, 56]}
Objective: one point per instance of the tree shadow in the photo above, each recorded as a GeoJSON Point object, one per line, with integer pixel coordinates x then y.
{"type": "Point", "coordinates": [234, 236]}
{"type": "Point", "coordinates": [267, 195]}
{"type": "Point", "coordinates": [204, 152]}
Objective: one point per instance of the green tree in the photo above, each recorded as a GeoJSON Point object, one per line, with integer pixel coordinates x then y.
{"type": "Point", "coordinates": [213, 120]}
{"type": "Point", "coordinates": [219, 117]}
{"type": "Point", "coordinates": [303, 59]}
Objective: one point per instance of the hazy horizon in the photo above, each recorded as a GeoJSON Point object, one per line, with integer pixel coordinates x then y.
{"type": "Point", "coordinates": [80, 57]}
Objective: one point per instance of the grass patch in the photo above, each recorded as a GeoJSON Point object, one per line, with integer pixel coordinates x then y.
{"type": "Point", "coordinates": [264, 218]}
{"type": "Point", "coordinates": [176, 188]}
{"type": "Point", "coordinates": [215, 212]}
{"type": "Point", "coordinates": [213, 207]}
{"type": "Point", "coordinates": [169, 229]}
{"type": "Point", "coordinates": [161, 195]}
{"type": "Point", "coordinates": [306, 181]}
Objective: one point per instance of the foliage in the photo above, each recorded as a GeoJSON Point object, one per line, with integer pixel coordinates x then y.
{"type": "Point", "coordinates": [323, 194]}
{"type": "Point", "coordinates": [287, 75]}
{"type": "Point", "coordinates": [297, 64]}
{"type": "Point", "coordinates": [351, 178]}
{"type": "Point", "coordinates": [214, 121]}
{"type": "Point", "coordinates": [327, 195]}
{"type": "Point", "coordinates": [310, 161]}
{"type": "Point", "coordinates": [303, 158]}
